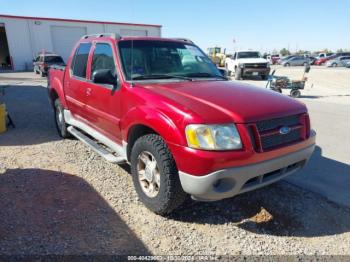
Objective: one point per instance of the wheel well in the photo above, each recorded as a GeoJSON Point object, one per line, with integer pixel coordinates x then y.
{"type": "Point", "coordinates": [53, 96]}
{"type": "Point", "coordinates": [136, 132]}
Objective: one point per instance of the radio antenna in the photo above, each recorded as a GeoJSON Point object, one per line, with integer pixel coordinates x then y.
{"type": "Point", "coordinates": [132, 48]}
{"type": "Point", "coordinates": [132, 63]}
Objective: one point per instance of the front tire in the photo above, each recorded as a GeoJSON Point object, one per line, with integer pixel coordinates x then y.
{"type": "Point", "coordinates": [155, 175]}
{"type": "Point", "coordinates": [60, 122]}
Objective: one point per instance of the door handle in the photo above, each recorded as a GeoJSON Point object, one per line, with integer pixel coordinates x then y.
{"type": "Point", "coordinates": [88, 91]}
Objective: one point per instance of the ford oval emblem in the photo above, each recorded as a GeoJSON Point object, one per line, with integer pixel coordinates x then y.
{"type": "Point", "coordinates": [285, 130]}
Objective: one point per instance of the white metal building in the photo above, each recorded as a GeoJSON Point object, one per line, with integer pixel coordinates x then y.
{"type": "Point", "coordinates": [22, 38]}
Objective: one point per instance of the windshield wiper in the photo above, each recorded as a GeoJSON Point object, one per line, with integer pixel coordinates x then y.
{"type": "Point", "coordinates": [204, 74]}
{"type": "Point", "coordinates": [161, 76]}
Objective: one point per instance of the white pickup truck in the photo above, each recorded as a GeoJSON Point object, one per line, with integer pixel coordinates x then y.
{"type": "Point", "coordinates": [247, 63]}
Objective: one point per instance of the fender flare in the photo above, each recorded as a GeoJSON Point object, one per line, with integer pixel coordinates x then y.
{"type": "Point", "coordinates": [155, 120]}
{"type": "Point", "coordinates": [57, 87]}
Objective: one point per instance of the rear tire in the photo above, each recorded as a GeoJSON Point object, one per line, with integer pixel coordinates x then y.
{"type": "Point", "coordinates": [164, 178]}
{"type": "Point", "coordinates": [334, 65]}
{"type": "Point", "coordinates": [295, 93]}
{"type": "Point", "coordinates": [60, 122]}
{"type": "Point", "coordinates": [286, 64]}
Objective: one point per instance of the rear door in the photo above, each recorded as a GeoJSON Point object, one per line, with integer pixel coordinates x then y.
{"type": "Point", "coordinates": [103, 102]}
{"type": "Point", "coordinates": [75, 83]}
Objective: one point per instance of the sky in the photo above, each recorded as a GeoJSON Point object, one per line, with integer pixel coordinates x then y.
{"type": "Point", "coordinates": [262, 25]}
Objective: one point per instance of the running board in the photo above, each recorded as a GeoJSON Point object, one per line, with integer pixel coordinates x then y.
{"type": "Point", "coordinates": [96, 147]}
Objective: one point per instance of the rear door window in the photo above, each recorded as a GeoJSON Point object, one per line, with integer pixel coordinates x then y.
{"type": "Point", "coordinates": [102, 58]}
{"type": "Point", "coordinates": [79, 63]}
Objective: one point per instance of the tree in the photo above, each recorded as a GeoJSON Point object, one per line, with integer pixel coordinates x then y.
{"type": "Point", "coordinates": [274, 52]}
{"type": "Point", "coordinates": [341, 50]}
{"type": "Point", "coordinates": [284, 52]}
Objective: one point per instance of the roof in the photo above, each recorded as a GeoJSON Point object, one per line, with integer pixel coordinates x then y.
{"type": "Point", "coordinates": [117, 37]}
{"type": "Point", "coordinates": [75, 20]}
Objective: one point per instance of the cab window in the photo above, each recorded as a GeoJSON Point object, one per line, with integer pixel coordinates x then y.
{"type": "Point", "coordinates": [102, 58]}
{"type": "Point", "coordinates": [80, 60]}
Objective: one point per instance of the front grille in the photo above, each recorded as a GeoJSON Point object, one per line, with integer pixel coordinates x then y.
{"type": "Point", "coordinates": [277, 122]}
{"type": "Point", "coordinates": [268, 136]}
{"type": "Point", "coordinates": [268, 142]}
{"type": "Point", "coordinates": [255, 65]}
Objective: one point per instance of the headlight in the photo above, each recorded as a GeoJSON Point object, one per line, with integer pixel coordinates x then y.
{"type": "Point", "coordinates": [213, 137]}
{"type": "Point", "coordinates": [241, 65]}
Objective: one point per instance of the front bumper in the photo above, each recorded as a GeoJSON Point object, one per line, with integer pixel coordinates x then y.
{"type": "Point", "coordinates": [229, 182]}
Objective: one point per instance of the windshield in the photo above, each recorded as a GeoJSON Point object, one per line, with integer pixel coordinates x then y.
{"type": "Point", "coordinates": [164, 59]}
{"type": "Point", "coordinates": [53, 59]}
{"type": "Point", "coordinates": [248, 55]}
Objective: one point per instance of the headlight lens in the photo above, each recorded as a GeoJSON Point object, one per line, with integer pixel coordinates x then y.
{"type": "Point", "coordinates": [213, 137]}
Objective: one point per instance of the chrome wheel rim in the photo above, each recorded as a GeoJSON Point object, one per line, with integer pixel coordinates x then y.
{"type": "Point", "coordinates": [148, 174]}
{"type": "Point", "coordinates": [59, 117]}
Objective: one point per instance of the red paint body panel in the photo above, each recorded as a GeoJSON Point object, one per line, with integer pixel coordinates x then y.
{"type": "Point", "coordinates": [168, 107]}
{"type": "Point", "coordinates": [323, 60]}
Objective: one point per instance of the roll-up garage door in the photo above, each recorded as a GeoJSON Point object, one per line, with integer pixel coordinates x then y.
{"type": "Point", "coordinates": [133, 32]}
{"type": "Point", "coordinates": [64, 38]}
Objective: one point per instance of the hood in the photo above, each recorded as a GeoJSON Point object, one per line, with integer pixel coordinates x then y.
{"type": "Point", "coordinates": [251, 60]}
{"type": "Point", "coordinates": [224, 101]}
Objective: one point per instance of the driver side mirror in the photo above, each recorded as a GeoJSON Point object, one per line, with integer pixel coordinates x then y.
{"type": "Point", "coordinates": [105, 76]}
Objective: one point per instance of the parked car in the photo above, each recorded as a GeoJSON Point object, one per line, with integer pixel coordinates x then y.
{"type": "Point", "coordinates": [44, 60]}
{"type": "Point", "coordinates": [282, 59]}
{"type": "Point", "coordinates": [323, 60]}
{"type": "Point", "coordinates": [347, 64]}
{"type": "Point", "coordinates": [247, 63]}
{"type": "Point", "coordinates": [296, 61]}
{"type": "Point", "coordinates": [162, 106]}
{"type": "Point", "coordinates": [338, 61]}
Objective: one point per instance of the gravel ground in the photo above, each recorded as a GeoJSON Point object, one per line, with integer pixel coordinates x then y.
{"type": "Point", "coordinates": [58, 197]}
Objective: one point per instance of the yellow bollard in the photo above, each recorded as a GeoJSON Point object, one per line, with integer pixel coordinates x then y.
{"type": "Point", "coordinates": [3, 115]}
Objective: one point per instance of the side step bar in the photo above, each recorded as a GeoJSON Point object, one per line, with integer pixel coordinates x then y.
{"type": "Point", "coordinates": [96, 147]}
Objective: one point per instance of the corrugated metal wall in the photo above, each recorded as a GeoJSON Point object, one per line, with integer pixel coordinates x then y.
{"type": "Point", "coordinates": [27, 37]}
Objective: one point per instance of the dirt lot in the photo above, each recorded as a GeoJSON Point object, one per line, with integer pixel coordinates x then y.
{"type": "Point", "coordinates": [58, 197]}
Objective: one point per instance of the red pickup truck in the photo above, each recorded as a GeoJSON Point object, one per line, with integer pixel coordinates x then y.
{"type": "Point", "coordinates": [163, 106]}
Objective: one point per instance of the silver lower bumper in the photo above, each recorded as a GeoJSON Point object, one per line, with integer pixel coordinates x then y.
{"type": "Point", "coordinates": [236, 180]}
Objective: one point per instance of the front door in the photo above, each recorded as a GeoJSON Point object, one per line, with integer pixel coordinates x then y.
{"type": "Point", "coordinates": [103, 102]}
